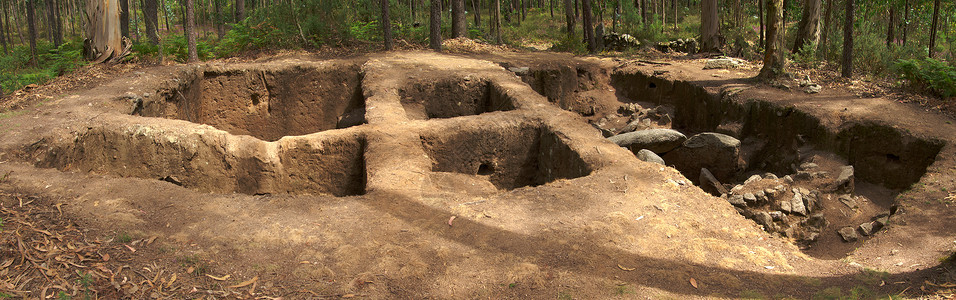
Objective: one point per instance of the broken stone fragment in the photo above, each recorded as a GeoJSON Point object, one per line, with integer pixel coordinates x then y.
{"type": "Point", "coordinates": [867, 228]}
{"type": "Point", "coordinates": [750, 198]}
{"type": "Point", "coordinates": [848, 234]}
{"type": "Point", "coordinates": [776, 215]}
{"type": "Point", "coordinates": [657, 140]}
{"type": "Point", "coordinates": [883, 221]}
{"type": "Point", "coordinates": [717, 152]}
{"type": "Point", "coordinates": [709, 183]}
{"type": "Point", "coordinates": [752, 179]}
{"type": "Point", "coordinates": [629, 109]}
{"type": "Point", "coordinates": [761, 196]}
{"type": "Point", "coordinates": [803, 175]}
{"type": "Point", "coordinates": [813, 88]}
{"type": "Point", "coordinates": [736, 200]}
{"type": "Point", "coordinates": [787, 179]}
{"type": "Point", "coordinates": [770, 193]}
{"type": "Point", "coordinates": [848, 201]}
{"type": "Point", "coordinates": [763, 218]}
{"type": "Point", "coordinates": [520, 71]}
{"type": "Point", "coordinates": [649, 156]}
{"type": "Point", "coordinates": [844, 182]}
{"type": "Point", "coordinates": [803, 191]}
{"type": "Point", "coordinates": [784, 206]}
{"type": "Point", "coordinates": [808, 166]}
{"type": "Point", "coordinates": [797, 206]}
{"type": "Point", "coordinates": [770, 176]}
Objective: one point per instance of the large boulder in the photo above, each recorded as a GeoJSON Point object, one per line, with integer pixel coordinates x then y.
{"type": "Point", "coordinates": [656, 140]}
{"type": "Point", "coordinates": [719, 153]}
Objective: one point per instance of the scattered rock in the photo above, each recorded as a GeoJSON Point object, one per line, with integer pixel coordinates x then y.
{"type": "Point", "coordinates": [784, 206]}
{"type": "Point", "coordinates": [736, 200]}
{"type": "Point", "coordinates": [719, 153]}
{"type": "Point", "coordinates": [764, 218]}
{"type": "Point", "coordinates": [848, 234]}
{"type": "Point", "coordinates": [803, 175]}
{"type": "Point", "coordinates": [649, 156]}
{"type": "Point", "coordinates": [752, 179]}
{"type": "Point", "coordinates": [848, 201]}
{"type": "Point", "coordinates": [797, 206]}
{"type": "Point", "coordinates": [770, 176]}
{"type": "Point", "coordinates": [808, 166]}
{"type": "Point", "coordinates": [777, 215]}
{"type": "Point", "coordinates": [723, 63]}
{"type": "Point", "coordinates": [750, 198]}
{"type": "Point", "coordinates": [867, 228]}
{"type": "Point", "coordinates": [883, 221]}
{"type": "Point", "coordinates": [844, 181]}
{"type": "Point", "coordinates": [761, 196]}
{"type": "Point", "coordinates": [629, 109]}
{"type": "Point", "coordinates": [656, 140]}
{"type": "Point", "coordinates": [813, 88]}
{"type": "Point", "coordinates": [710, 184]}
{"type": "Point", "coordinates": [520, 71]}
{"type": "Point", "coordinates": [787, 179]}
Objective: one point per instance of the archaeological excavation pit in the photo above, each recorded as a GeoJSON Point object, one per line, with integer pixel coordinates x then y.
{"type": "Point", "coordinates": [826, 190]}
{"type": "Point", "coordinates": [267, 103]}
{"type": "Point", "coordinates": [509, 155]}
{"type": "Point", "coordinates": [452, 97]}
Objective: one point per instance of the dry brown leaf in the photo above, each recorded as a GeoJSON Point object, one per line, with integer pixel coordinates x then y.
{"type": "Point", "coordinates": [451, 220]}
{"type": "Point", "coordinates": [131, 249]}
{"type": "Point", "coordinates": [106, 257]}
{"type": "Point", "coordinates": [223, 278]}
{"type": "Point", "coordinates": [245, 283]}
{"type": "Point", "coordinates": [190, 270]}
{"type": "Point", "coordinates": [151, 239]}
{"type": "Point", "coordinates": [171, 280]}
{"type": "Point", "coordinates": [625, 269]}
{"type": "Point", "coordinates": [693, 282]}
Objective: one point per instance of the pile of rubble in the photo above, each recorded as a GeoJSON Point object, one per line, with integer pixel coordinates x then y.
{"type": "Point", "coordinates": [688, 46]}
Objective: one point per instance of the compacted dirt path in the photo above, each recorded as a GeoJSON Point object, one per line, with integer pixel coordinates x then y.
{"type": "Point", "coordinates": [422, 175]}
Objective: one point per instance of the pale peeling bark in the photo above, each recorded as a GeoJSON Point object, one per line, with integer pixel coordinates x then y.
{"type": "Point", "coordinates": [709, 42]}
{"type": "Point", "coordinates": [105, 41]}
{"type": "Point", "coordinates": [773, 60]}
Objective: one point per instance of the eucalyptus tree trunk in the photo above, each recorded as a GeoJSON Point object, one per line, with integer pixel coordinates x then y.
{"type": "Point", "coordinates": [240, 10]}
{"type": "Point", "coordinates": [588, 29]}
{"type": "Point", "coordinates": [32, 29]}
{"type": "Point", "coordinates": [459, 23]}
{"type": "Point", "coordinates": [386, 25]}
{"type": "Point", "coordinates": [824, 36]}
{"type": "Point", "coordinates": [124, 17]}
{"type": "Point", "coordinates": [151, 21]}
{"type": "Point", "coordinates": [569, 16]}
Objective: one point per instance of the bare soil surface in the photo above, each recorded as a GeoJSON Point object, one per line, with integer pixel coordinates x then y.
{"type": "Point", "coordinates": [421, 175]}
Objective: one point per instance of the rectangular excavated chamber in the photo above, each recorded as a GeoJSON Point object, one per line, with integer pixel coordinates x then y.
{"type": "Point", "coordinates": [270, 104]}
{"type": "Point", "coordinates": [509, 156]}
{"type": "Point", "coordinates": [454, 97]}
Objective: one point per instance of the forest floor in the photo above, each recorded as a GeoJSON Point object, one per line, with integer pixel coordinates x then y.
{"type": "Point", "coordinates": [554, 210]}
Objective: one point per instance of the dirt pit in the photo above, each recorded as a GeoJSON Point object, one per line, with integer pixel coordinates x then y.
{"type": "Point", "coordinates": [780, 167]}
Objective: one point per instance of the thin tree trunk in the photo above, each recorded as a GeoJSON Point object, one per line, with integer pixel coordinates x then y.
{"type": "Point", "coordinates": [435, 26]}
{"type": "Point", "coordinates": [524, 9]}
{"type": "Point", "coordinates": [808, 31]}
{"type": "Point", "coordinates": [459, 25]}
{"type": "Point", "coordinates": [762, 29]}
{"type": "Point", "coordinates": [32, 29]}
{"type": "Point", "coordinates": [193, 54]}
{"type": "Point", "coordinates": [3, 29]}
{"type": "Point", "coordinates": [906, 20]}
{"type": "Point", "coordinates": [674, 6]}
{"type": "Point", "coordinates": [933, 29]}
{"type": "Point", "coordinates": [824, 38]}
{"type": "Point", "coordinates": [773, 59]}
{"type": "Point", "coordinates": [386, 25]}
{"type": "Point", "coordinates": [49, 20]}
{"type": "Point", "coordinates": [498, 22]}
{"type": "Point", "coordinates": [588, 29]}
{"type": "Point", "coordinates": [848, 41]}
{"type": "Point", "coordinates": [220, 27]}
{"type": "Point", "coordinates": [124, 17]}
{"type": "Point", "coordinates": [166, 17]}
{"type": "Point", "coordinates": [709, 26]}
{"type": "Point", "coordinates": [17, 22]}
{"type": "Point", "coordinates": [891, 27]}
{"type": "Point", "coordinates": [577, 4]}
{"type": "Point", "coordinates": [551, 7]}
{"type": "Point", "coordinates": [644, 13]}
{"type": "Point", "coordinates": [664, 15]}
{"type": "Point", "coordinates": [152, 21]}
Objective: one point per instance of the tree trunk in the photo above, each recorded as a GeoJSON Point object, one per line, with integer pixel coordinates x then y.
{"type": "Point", "coordinates": [773, 59]}
{"type": "Point", "coordinates": [498, 22]}
{"type": "Point", "coordinates": [220, 27]}
{"type": "Point", "coordinates": [190, 28]}
{"type": "Point", "coordinates": [17, 22]}
{"type": "Point", "coordinates": [933, 29]}
{"type": "Point", "coordinates": [459, 23]}
{"type": "Point", "coordinates": [435, 26]}
{"type": "Point", "coordinates": [51, 22]}
{"type": "Point", "coordinates": [524, 9]}
{"type": "Point", "coordinates": [386, 25]}
{"type": "Point", "coordinates": [152, 21]}
{"type": "Point", "coordinates": [848, 41]}
{"type": "Point", "coordinates": [124, 17]}
{"type": "Point", "coordinates": [240, 10]}
{"type": "Point", "coordinates": [891, 26]}
{"type": "Point", "coordinates": [808, 31]}
{"type": "Point", "coordinates": [569, 16]}
{"type": "Point", "coordinates": [3, 28]}
{"type": "Point", "coordinates": [32, 30]}
{"type": "Point", "coordinates": [588, 29]}
{"type": "Point", "coordinates": [103, 31]}
{"type": "Point", "coordinates": [551, 7]}
{"type": "Point", "coordinates": [762, 29]}
{"type": "Point", "coordinates": [824, 38]}
{"type": "Point", "coordinates": [708, 26]}
{"type": "Point", "coordinates": [477, 12]}
{"type": "Point", "coordinates": [906, 20]}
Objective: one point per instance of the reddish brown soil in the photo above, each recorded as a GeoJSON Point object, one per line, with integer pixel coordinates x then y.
{"type": "Point", "coordinates": [493, 193]}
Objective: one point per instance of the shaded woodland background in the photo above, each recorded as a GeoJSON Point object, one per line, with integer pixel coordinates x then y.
{"type": "Point", "coordinates": [910, 41]}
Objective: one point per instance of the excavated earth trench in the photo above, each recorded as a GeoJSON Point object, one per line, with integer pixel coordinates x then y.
{"type": "Point", "coordinates": [508, 149]}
